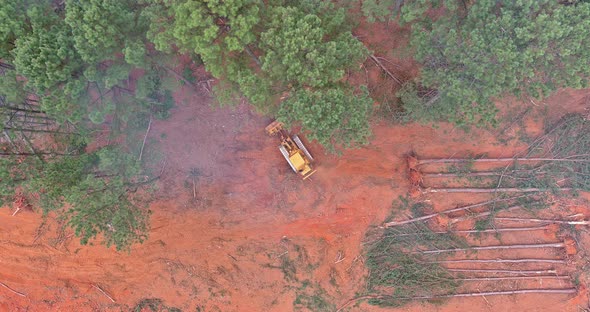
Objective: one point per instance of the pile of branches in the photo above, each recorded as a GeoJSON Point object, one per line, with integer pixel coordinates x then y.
{"type": "Point", "coordinates": [397, 273]}
{"type": "Point", "coordinates": [567, 142]}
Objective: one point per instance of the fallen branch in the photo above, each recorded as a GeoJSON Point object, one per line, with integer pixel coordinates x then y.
{"type": "Point", "coordinates": [145, 138]}
{"type": "Point", "coordinates": [16, 211]}
{"type": "Point", "coordinates": [10, 140]}
{"type": "Point", "coordinates": [252, 55]}
{"type": "Point", "coordinates": [206, 84]}
{"type": "Point", "coordinates": [504, 271]}
{"type": "Point", "coordinates": [505, 278]}
{"type": "Point", "coordinates": [30, 145]}
{"type": "Point", "coordinates": [284, 253]}
{"type": "Point", "coordinates": [393, 223]}
{"type": "Point", "coordinates": [385, 69]}
{"type": "Point", "coordinates": [104, 293]}
{"type": "Point", "coordinates": [177, 75]}
{"type": "Point", "coordinates": [12, 290]}
{"type": "Point", "coordinates": [492, 190]}
{"type": "Point", "coordinates": [340, 257]}
{"type": "Point", "coordinates": [194, 188]}
{"type": "Point", "coordinates": [357, 258]}
{"type": "Point", "coordinates": [500, 261]}
{"type": "Point", "coordinates": [582, 222]}
{"type": "Point", "coordinates": [349, 302]}
{"type": "Point", "coordinates": [521, 246]}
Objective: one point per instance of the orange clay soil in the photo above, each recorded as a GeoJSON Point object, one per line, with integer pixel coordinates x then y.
{"type": "Point", "coordinates": [255, 237]}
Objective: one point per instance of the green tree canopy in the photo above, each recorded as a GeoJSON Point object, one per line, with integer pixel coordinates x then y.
{"type": "Point", "coordinates": [217, 31]}
{"type": "Point", "coordinates": [96, 190]}
{"type": "Point", "coordinates": [11, 88]}
{"type": "Point", "coordinates": [406, 10]}
{"type": "Point", "coordinates": [333, 116]}
{"type": "Point", "coordinates": [296, 50]}
{"type": "Point", "coordinates": [103, 202]}
{"type": "Point", "coordinates": [265, 51]}
{"type": "Point", "coordinates": [527, 47]}
{"type": "Point", "coordinates": [72, 60]}
{"type": "Point", "coordinates": [14, 171]}
{"type": "Point", "coordinates": [103, 28]}
{"type": "Point", "coordinates": [46, 55]}
{"type": "Point", "coordinates": [12, 25]}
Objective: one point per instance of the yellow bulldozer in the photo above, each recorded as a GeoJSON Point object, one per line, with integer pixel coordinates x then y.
{"type": "Point", "coordinates": [293, 150]}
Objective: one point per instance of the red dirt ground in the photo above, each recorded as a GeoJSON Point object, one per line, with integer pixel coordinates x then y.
{"type": "Point", "coordinates": [222, 251]}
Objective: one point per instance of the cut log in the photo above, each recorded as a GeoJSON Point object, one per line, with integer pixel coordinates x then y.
{"type": "Point", "coordinates": [491, 190]}
{"type": "Point", "coordinates": [104, 293]}
{"type": "Point", "coordinates": [520, 246]}
{"type": "Point", "coordinates": [482, 214]}
{"type": "Point", "coordinates": [515, 229]}
{"type": "Point", "coordinates": [534, 260]}
{"type": "Point", "coordinates": [430, 216]}
{"type": "Point", "coordinates": [507, 278]}
{"type": "Point", "coordinates": [500, 293]}
{"type": "Point", "coordinates": [461, 175]}
{"type": "Point", "coordinates": [503, 271]}
{"type": "Point", "coordinates": [484, 160]}
{"type": "Point", "coordinates": [581, 222]}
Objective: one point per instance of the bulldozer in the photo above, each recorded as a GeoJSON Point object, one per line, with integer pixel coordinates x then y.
{"type": "Point", "coordinates": [293, 150]}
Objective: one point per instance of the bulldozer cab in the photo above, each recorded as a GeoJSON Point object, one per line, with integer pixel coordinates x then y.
{"type": "Point", "coordinates": [293, 150]}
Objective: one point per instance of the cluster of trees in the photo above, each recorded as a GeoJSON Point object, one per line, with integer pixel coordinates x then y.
{"type": "Point", "coordinates": [265, 51]}
{"type": "Point", "coordinates": [65, 69]}
{"type": "Point", "coordinates": [65, 75]}
{"type": "Point", "coordinates": [272, 50]}
{"type": "Point", "coordinates": [473, 52]}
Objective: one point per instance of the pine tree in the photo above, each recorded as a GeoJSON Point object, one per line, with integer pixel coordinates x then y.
{"type": "Point", "coordinates": [295, 49]}
{"type": "Point", "coordinates": [334, 116]}
{"type": "Point", "coordinates": [97, 192]}
{"type": "Point", "coordinates": [524, 48]}
{"type": "Point", "coordinates": [264, 51]}
{"type": "Point", "coordinates": [12, 25]}
{"type": "Point", "coordinates": [214, 30]}
{"type": "Point", "coordinates": [103, 28]}
{"type": "Point", "coordinates": [46, 55]}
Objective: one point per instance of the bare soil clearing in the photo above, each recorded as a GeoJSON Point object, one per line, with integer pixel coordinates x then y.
{"type": "Point", "coordinates": [231, 247]}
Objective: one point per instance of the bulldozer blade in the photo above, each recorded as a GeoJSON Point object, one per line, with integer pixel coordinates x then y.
{"type": "Point", "coordinates": [274, 127]}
